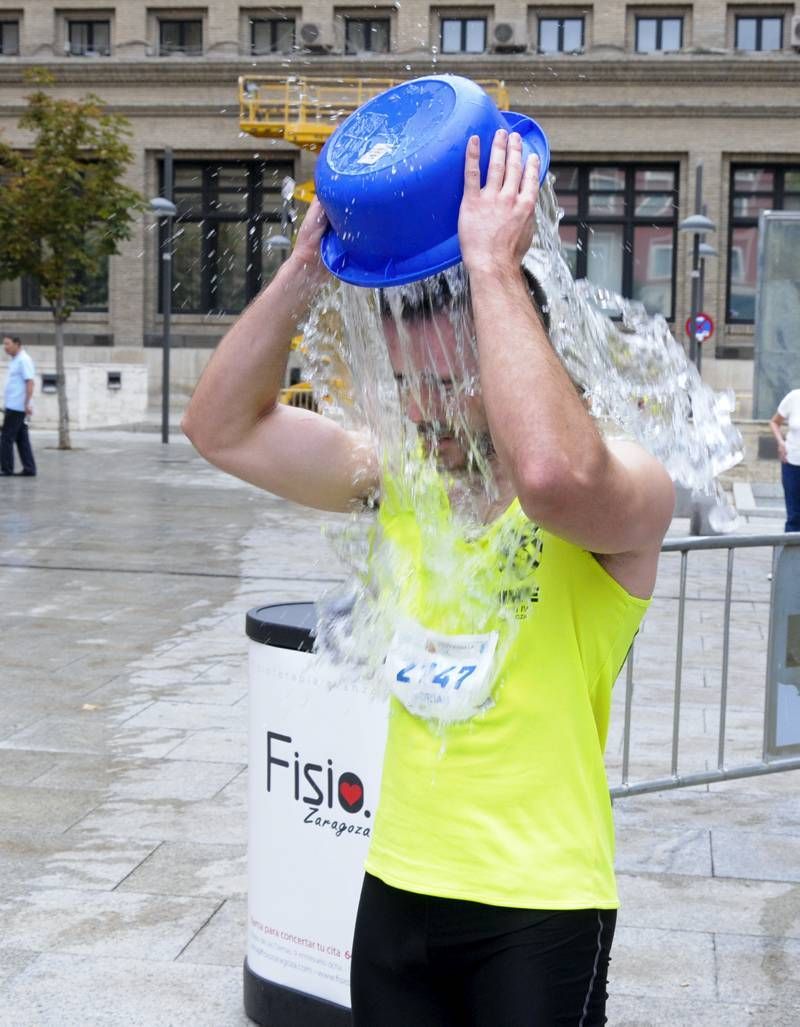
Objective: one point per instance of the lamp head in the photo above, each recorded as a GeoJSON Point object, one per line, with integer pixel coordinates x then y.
{"type": "Point", "coordinates": [163, 208]}
{"type": "Point", "coordinates": [698, 223]}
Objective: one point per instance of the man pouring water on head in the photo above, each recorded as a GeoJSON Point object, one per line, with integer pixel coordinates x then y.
{"type": "Point", "coordinates": [489, 896]}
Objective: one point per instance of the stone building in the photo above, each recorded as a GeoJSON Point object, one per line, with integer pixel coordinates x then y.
{"type": "Point", "coordinates": [632, 95]}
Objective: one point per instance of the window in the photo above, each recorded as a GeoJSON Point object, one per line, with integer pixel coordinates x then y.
{"type": "Point", "coordinates": [366, 34]}
{"type": "Point", "coordinates": [619, 228]}
{"type": "Point", "coordinates": [226, 213]}
{"type": "Point", "coordinates": [9, 38]}
{"type": "Point", "coordinates": [560, 35]}
{"type": "Point", "coordinates": [759, 32]}
{"type": "Point", "coordinates": [753, 189]}
{"type": "Point", "coordinates": [463, 35]}
{"type": "Point", "coordinates": [24, 293]}
{"type": "Point", "coordinates": [180, 37]}
{"type": "Point", "coordinates": [656, 34]}
{"type": "Point", "coordinates": [272, 35]}
{"type": "Point", "coordinates": [89, 38]}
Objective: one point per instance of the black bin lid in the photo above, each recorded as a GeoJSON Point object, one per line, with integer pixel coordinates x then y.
{"type": "Point", "coordinates": [283, 625]}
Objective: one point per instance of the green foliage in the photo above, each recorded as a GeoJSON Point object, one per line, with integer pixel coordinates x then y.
{"type": "Point", "coordinates": [63, 206]}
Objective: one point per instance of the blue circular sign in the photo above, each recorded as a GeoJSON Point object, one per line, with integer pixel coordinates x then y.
{"type": "Point", "coordinates": [703, 327]}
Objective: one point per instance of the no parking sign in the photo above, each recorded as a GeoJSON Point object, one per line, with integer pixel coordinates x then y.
{"type": "Point", "coordinates": [703, 327]}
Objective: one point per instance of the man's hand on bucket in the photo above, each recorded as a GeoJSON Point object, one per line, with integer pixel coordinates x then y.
{"type": "Point", "coordinates": [496, 223]}
{"type": "Point", "coordinates": [306, 248]}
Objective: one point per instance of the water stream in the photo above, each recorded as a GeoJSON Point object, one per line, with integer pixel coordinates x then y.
{"type": "Point", "coordinates": [402, 364]}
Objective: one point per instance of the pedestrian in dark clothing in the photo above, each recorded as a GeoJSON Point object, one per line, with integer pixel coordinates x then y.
{"type": "Point", "coordinates": [18, 399]}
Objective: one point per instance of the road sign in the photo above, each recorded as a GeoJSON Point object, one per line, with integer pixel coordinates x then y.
{"type": "Point", "coordinates": [703, 327]}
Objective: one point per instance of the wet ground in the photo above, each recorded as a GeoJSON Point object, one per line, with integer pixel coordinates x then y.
{"type": "Point", "coordinates": [126, 570]}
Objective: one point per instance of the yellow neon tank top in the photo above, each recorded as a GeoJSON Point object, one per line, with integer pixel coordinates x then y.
{"type": "Point", "coordinates": [510, 808]}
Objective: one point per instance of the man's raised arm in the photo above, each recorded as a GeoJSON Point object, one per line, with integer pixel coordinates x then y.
{"type": "Point", "coordinates": [609, 500]}
{"type": "Point", "coordinates": [234, 419]}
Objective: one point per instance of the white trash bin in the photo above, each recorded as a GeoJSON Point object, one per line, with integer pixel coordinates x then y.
{"type": "Point", "coordinates": [316, 749]}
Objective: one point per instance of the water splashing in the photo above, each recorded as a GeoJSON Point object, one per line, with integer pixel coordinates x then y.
{"type": "Point", "coordinates": [632, 369]}
{"type": "Point", "coordinates": [635, 375]}
{"type": "Point", "coordinates": [402, 364]}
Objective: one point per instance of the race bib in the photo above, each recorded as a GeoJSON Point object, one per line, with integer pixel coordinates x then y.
{"type": "Point", "coordinates": [441, 677]}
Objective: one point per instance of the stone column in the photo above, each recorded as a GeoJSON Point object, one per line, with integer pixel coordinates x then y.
{"type": "Point", "coordinates": [221, 31]}
{"type": "Point", "coordinates": [127, 272]}
{"type": "Point", "coordinates": [130, 31]}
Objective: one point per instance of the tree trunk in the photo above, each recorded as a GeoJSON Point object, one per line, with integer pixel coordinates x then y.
{"type": "Point", "coordinates": [61, 385]}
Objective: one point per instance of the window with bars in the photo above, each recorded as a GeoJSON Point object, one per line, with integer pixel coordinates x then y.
{"type": "Point", "coordinates": [89, 38]}
{"type": "Point", "coordinates": [754, 188]}
{"type": "Point", "coordinates": [561, 35]}
{"type": "Point", "coordinates": [619, 228]}
{"type": "Point", "coordinates": [9, 38]}
{"type": "Point", "coordinates": [463, 35]}
{"type": "Point", "coordinates": [654, 35]}
{"type": "Point", "coordinates": [272, 35]}
{"type": "Point", "coordinates": [759, 32]}
{"type": "Point", "coordinates": [180, 36]}
{"type": "Point", "coordinates": [366, 35]}
{"type": "Point", "coordinates": [226, 213]}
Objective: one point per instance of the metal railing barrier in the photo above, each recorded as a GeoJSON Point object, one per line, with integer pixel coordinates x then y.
{"type": "Point", "coordinates": [300, 395]}
{"type": "Point", "coordinates": [731, 707]}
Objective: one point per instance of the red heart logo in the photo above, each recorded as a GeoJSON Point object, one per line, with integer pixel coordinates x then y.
{"type": "Point", "coordinates": [351, 793]}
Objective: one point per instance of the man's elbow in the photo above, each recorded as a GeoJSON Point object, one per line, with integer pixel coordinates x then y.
{"type": "Point", "coordinates": [215, 440]}
{"type": "Point", "coordinates": [546, 491]}
{"type": "Point", "coordinates": [198, 434]}
{"type": "Point", "coordinates": [189, 428]}
{"type": "Point", "coordinates": [550, 484]}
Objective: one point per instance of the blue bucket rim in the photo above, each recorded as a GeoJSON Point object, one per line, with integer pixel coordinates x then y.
{"type": "Point", "coordinates": [436, 258]}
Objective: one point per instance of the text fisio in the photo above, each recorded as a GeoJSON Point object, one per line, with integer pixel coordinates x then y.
{"type": "Point", "coordinates": [315, 785]}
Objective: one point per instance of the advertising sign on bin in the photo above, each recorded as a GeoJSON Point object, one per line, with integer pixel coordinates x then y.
{"type": "Point", "coordinates": [316, 748]}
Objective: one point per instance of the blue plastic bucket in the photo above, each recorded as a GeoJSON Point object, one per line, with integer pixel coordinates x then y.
{"type": "Point", "coordinates": [391, 178]}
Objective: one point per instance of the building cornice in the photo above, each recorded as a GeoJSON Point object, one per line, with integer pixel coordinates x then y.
{"type": "Point", "coordinates": [520, 70]}
{"type": "Point", "coordinates": [554, 110]}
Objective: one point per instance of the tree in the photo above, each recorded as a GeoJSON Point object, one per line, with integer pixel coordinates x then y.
{"type": "Point", "coordinates": [63, 206]}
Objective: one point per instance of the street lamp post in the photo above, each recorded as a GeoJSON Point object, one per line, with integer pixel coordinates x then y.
{"type": "Point", "coordinates": [705, 251]}
{"type": "Point", "coordinates": [165, 210]}
{"type": "Point", "coordinates": [698, 224]}
{"type": "Point", "coordinates": [279, 244]}
{"type": "Point", "coordinates": [288, 209]}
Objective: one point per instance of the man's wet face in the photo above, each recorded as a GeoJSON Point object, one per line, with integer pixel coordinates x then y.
{"type": "Point", "coordinates": [438, 385]}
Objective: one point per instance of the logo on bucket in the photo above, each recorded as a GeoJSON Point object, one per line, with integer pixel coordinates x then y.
{"type": "Point", "coordinates": [317, 786]}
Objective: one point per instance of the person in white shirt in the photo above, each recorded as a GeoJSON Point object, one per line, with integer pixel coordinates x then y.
{"type": "Point", "coordinates": [18, 399]}
{"type": "Point", "coordinates": [788, 413]}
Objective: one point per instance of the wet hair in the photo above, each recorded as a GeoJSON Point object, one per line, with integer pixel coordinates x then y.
{"type": "Point", "coordinates": [423, 299]}
{"type": "Point", "coordinates": [442, 292]}
{"type": "Point", "coordinates": [538, 297]}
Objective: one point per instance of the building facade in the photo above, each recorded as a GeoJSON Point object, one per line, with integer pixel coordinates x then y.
{"type": "Point", "coordinates": [633, 96]}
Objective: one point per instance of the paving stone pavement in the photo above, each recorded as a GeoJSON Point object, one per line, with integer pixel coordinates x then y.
{"type": "Point", "coordinates": [126, 569]}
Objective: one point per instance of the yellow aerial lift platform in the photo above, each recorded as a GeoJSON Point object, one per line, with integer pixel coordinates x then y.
{"type": "Point", "coordinates": [305, 110]}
